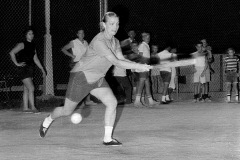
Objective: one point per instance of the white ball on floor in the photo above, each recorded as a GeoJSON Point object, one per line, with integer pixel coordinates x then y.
{"type": "Point", "coordinates": [76, 118]}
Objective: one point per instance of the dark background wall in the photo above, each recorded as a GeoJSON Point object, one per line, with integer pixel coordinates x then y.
{"type": "Point", "coordinates": [183, 22]}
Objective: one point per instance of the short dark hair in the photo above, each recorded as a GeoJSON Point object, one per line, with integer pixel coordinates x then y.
{"type": "Point", "coordinates": [27, 29]}
{"type": "Point", "coordinates": [230, 48]}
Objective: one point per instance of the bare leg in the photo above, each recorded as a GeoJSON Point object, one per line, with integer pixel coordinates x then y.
{"type": "Point", "coordinates": [27, 82]}
{"type": "Point", "coordinates": [149, 93]}
{"type": "Point", "coordinates": [25, 98]}
{"type": "Point", "coordinates": [229, 85]}
{"type": "Point", "coordinates": [197, 87]}
{"type": "Point", "coordinates": [203, 88]}
{"type": "Point", "coordinates": [66, 110]}
{"type": "Point", "coordinates": [140, 87]}
{"type": "Point", "coordinates": [235, 89]}
{"type": "Point", "coordinates": [165, 91]}
{"type": "Point", "coordinates": [109, 100]}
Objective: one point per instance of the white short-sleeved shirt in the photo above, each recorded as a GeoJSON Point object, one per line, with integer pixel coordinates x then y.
{"type": "Point", "coordinates": [144, 48]}
{"type": "Point", "coordinates": [79, 49]}
{"type": "Point", "coordinates": [165, 57]}
{"type": "Point", "coordinates": [94, 63]}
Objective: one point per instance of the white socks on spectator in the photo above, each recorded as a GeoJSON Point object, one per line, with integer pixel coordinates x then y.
{"type": "Point", "coordinates": [164, 98]}
{"type": "Point", "coordinates": [167, 98]}
{"type": "Point", "coordinates": [229, 97]}
{"type": "Point", "coordinates": [137, 98]}
{"type": "Point", "coordinates": [47, 121]}
{"type": "Point", "coordinates": [236, 98]}
{"type": "Point", "coordinates": [108, 134]}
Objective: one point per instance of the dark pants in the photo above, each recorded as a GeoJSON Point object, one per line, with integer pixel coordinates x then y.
{"type": "Point", "coordinates": [127, 87]}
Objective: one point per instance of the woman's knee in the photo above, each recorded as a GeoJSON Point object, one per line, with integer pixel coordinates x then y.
{"type": "Point", "coordinates": [110, 101]}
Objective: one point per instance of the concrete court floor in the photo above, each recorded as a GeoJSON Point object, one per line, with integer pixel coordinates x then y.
{"type": "Point", "coordinates": [178, 131]}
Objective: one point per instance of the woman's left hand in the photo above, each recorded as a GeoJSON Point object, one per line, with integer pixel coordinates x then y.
{"type": "Point", "coordinates": [44, 73]}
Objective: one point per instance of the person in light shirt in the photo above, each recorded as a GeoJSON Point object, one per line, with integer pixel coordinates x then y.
{"type": "Point", "coordinates": [155, 72]}
{"type": "Point", "coordinates": [78, 47]}
{"type": "Point", "coordinates": [144, 82]}
{"type": "Point", "coordinates": [231, 68]}
{"type": "Point", "coordinates": [200, 67]}
{"type": "Point", "coordinates": [165, 57]}
{"type": "Point", "coordinates": [88, 74]}
{"type": "Point", "coordinates": [173, 81]}
{"type": "Point", "coordinates": [207, 50]}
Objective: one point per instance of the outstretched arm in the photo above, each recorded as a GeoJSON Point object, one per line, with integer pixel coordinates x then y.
{"type": "Point", "coordinates": [126, 64]}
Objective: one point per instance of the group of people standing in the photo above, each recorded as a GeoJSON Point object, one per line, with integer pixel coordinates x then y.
{"type": "Point", "coordinates": [86, 76]}
{"type": "Point", "coordinates": [90, 63]}
{"type": "Point", "coordinates": [142, 82]}
{"type": "Point", "coordinates": [202, 71]}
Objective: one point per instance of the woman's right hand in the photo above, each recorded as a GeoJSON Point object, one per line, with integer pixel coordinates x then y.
{"type": "Point", "coordinates": [22, 64]}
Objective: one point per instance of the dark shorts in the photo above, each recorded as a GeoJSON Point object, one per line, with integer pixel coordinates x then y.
{"type": "Point", "coordinates": [78, 87]}
{"type": "Point", "coordinates": [231, 76]}
{"type": "Point", "coordinates": [166, 76]}
{"type": "Point", "coordinates": [144, 75]}
{"type": "Point", "coordinates": [25, 72]}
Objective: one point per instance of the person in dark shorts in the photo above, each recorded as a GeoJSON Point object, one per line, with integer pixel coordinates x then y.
{"type": "Point", "coordinates": [165, 73]}
{"type": "Point", "coordinates": [143, 81]}
{"type": "Point", "coordinates": [88, 74]}
{"type": "Point", "coordinates": [231, 68]}
{"type": "Point", "coordinates": [24, 56]}
{"type": "Point", "coordinates": [78, 48]}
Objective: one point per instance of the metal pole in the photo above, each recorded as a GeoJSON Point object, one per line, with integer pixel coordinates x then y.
{"type": "Point", "coordinates": [105, 6]}
{"type": "Point", "coordinates": [48, 88]}
{"type": "Point", "coordinates": [30, 13]}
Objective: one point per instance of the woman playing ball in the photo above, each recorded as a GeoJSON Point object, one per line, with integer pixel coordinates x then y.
{"type": "Point", "coordinates": [87, 76]}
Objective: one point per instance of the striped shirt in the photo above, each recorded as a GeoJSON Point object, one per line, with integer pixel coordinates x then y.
{"type": "Point", "coordinates": [231, 63]}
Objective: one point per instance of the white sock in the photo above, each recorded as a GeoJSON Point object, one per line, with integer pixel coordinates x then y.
{"type": "Point", "coordinates": [167, 98]}
{"type": "Point", "coordinates": [150, 100]}
{"type": "Point", "coordinates": [164, 98]}
{"type": "Point", "coordinates": [236, 98]}
{"type": "Point", "coordinates": [108, 134]}
{"type": "Point", "coordinates": [137, 98]}
{"type": "Point", "coordinates": [47, 121]}
{"type": "Point", "coordinates": [229, 97]}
